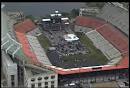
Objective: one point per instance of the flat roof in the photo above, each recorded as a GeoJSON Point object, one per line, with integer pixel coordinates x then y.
{"type": "Point", "coordinates": [33, 70]}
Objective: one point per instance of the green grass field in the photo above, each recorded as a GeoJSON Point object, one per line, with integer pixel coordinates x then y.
{"type": "Point", "coordinates": [45, 43]}
{"type": "Point", "coordinates": [94, 58]}
{"type": "Point", "coordinates": [94, 55]}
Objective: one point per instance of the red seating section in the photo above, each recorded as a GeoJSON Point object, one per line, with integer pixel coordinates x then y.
{"type": "Point", "coordinates": [115, 38]}
{"type": "Point", "coordinates": [108, 31]}
{"type": "Point", "coordinates": [20, 30]}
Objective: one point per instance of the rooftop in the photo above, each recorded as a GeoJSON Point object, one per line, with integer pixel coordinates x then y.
{"type": "Point", "coordinates": [33, 70]}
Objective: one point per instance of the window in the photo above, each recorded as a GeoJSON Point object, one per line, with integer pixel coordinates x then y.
{"type": "Point", "coordinates": [39, 84]}
{"type": "Point", "coordinates": [46, 83]}
{"type": "Point", "coordinates": [12, 83]}
{"type": "Point", "coordinates": [33, 79]}
{"type": "Point", "coordinates": [12, 77]}
{"type": "Point", "coordinates": [52, 86]}
{"type": "Point", "coordinates": [12, 80]}
{"type": "Point", "coordinates": [39, 78]}
{"type": "Point", "coordinates": [45, 78]}
{"type": "Point", "coordinates": [46, 86]}
{"type": "Point", "coordinates": [33, 86]}
{"type": "Point", "coordinates": [52, 77]}
{"type": "Point", "coordinates": [52, 82]}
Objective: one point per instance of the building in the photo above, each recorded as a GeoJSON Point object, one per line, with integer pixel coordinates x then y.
{"type": "Point", "coordinates": [89, 11]}
{"type": "Point", "coordinates": [11, 50]}
{"type": "Point", "coordinates": [9, 70]}
{"type": "Point", "coordinates": [40, 77]}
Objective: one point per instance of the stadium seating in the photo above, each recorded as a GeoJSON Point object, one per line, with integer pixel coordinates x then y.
{"type": "Point", "coordinates": [110, 33]}
{"type": "Point", "coordinates": [20, 30]}
{"type": "Point", "coordinates": [114, 37]}
{"type": "Point", "coordinates": [39, 52]}
{"type": "Point", "coordinates": [120, 19]}
{"type": "Point", "coordinates": [102, 44]}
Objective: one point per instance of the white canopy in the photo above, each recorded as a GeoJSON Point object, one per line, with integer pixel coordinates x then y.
{"type": "Point", "coordinates": [70, 37]}
{"type": "Point", "coordinates": [52, 15]}
{"type": "Point", "coordinates": [46, 19]}
{"type": "Point", "coordinates": [67, 23]}
{"type": "Point", "coordinates": [65, 18]}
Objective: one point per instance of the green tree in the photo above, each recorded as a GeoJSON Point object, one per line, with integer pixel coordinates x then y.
{"type": "Point", "coordinates": [95, 4]}
{"type": "Point", "coordinates": [65, 14]}
{"type": "Point", "coordinates": [74, 13]}
{"type": "Point", "coordinates": [30, 17]}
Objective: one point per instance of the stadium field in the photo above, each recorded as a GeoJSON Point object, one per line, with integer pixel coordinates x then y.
{"type": "Point", "coordinates": [45, 43]}
{"type": "Point", "coordinates": [93, 58]}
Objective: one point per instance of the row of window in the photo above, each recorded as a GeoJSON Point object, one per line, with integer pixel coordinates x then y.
{"type": "Point", "coordinates": [12, 81]}
{"type": "Point", "coordinates": [40, 78]}
{"type": "Point", "coordinates": [46, 85]}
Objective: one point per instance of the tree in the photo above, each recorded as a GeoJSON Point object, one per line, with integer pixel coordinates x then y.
{"type": "Point", "coordinates": [74, 13]}
{"type": "Point", "coordinates": [65, 14]}
{"type": "Point", "coordinates": [30, 17]}
{"type": "Point", "coordinates": [95, 4]}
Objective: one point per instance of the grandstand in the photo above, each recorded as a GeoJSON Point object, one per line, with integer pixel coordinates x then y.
{"type": "Point", "coordinates": [118, 16]}
{"type": "Point", "coordinates": [109, 32]}
{"type": "Point", "coordinates": [108, 49]}
{"type": "Point", "coordinates": [20, 30]}
{"type": "Point", "coordinates": [38, 50]}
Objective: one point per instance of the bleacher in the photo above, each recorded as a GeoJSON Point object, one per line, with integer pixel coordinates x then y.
{"type": "Point", "coordinates": [82, 29]}
{"type": "Point", "coordinates": [118, 17]}
{"type": "Point", "coordinates": [38, 50]}
{"type": "Point", "coordinates": [110, 33]}
{"type": "Point", "coordinates": [25, 26]}
{"type": "Point", "coordinates": [20, 30]}
{"type": "Point", "coordinates": [89, 22]}
{"type": "Point", "coordinates": [115, 37]}
{"type": "Point", "coordinates": [106, 48]}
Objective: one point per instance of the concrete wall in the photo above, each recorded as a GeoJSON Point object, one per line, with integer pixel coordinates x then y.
{"type": "Point", "coordinates": [9, 68]}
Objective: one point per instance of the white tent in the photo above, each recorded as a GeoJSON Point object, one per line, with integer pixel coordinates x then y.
{"type": "Point", "coordinates": [70, 37]}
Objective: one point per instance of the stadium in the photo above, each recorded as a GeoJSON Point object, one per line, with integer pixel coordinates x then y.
{"type": "Point", "coordinates": [100, 45]}
{"type": "Point", "coordinates": [114, 45]}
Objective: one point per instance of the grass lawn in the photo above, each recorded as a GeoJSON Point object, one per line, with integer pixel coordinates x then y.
{"type": "Point", "coordinates": [45, 43]}
{"type": "Point", "coordinates": [94, 55]}
{"type": "Point", "coordinates": [93, 58]}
